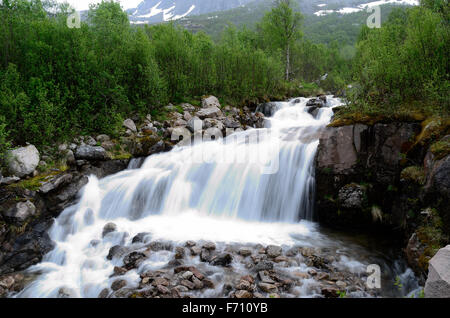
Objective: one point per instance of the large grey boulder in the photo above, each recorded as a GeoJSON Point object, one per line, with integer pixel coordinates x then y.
{"type": "Point", "coordinates": [438, 282]}
{"type": "Point", "coordinates": [210, 101]}
{"type": "Point", "coordinates": [22, 161]}
{"type": "Point", "coordinates": [85, 152]}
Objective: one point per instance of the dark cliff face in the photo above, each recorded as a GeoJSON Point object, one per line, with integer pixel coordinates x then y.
{"type": "Point", "coordinates": [379, 177]}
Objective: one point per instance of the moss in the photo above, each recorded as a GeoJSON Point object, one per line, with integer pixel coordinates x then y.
{"type": "Point", "coordinates": [440, 149]}
{"type": "Point", "coordinates": [433, 128]}
{"type": "Point", "coordinates": [122, 155]}
{"type": "Point", "coordinates": [432, 236]}
{"type": "Point", "coordinates": [414, 174]}
{"type": "Point", "coordinates": [35, 183]}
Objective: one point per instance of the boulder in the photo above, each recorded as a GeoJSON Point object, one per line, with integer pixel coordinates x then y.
{"type": "Point", "coordinates": [210, 112]}
{"type": "Point", "coordinates": [20, 212]}
{"type": "Point", "coordinates": [194, 124]}
{"type": "Point", "coordinates": [109, 228]}
{"type": "Point", "coordinates": [273, 251]}
{"type": "Point", "coordinates": [129, 123]}
{"type": "Point", "coordinates": [55, 183]}
{"type": "Point", "coordinates": [210, 101]}
{"type": "Point", "coordinates": [224, 259]}
{"type": "Point", "coordinates": [22, 161]}
{"type": "Point", "coordinates": [85, 152]}
{"type": "Point", "coordinates": [268, 109]}
{"type": "Point", "coordinates": [438, 282]}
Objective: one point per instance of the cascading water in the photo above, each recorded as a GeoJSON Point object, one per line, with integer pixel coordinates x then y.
{"type": "Point", "coordinates": [258, 195]}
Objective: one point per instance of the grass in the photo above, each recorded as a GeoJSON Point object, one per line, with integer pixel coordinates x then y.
{"type": "Point", "coordinates": [415, 174]}
{"type": "Point", "coordinates": [440, 149]}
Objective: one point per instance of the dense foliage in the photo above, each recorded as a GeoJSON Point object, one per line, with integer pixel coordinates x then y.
{"type": "Point", "coordinates": [57, 81]}
{"type": "Point", "coordinates": [405, 63]}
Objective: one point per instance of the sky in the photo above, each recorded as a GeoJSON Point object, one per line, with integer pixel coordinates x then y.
{"type": "Point", "coordinates": [84, 4]}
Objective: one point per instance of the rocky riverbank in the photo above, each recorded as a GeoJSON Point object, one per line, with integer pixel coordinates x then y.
{"type": "Point", "coordinates": [369, 176]}
{"type": "Point", "coordinates": [376, 175]}
{"type": "Point", "coordinates": [36, 186]}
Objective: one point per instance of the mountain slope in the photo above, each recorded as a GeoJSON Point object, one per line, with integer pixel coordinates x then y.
{"type": "Point", "coordinates": [154, 11]}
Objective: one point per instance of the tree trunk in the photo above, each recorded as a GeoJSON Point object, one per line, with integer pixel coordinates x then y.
{"type": "Point", "coordinates": [288, 62]}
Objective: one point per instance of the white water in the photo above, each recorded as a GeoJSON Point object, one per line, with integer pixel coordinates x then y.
{"type": "Point", "coordinates": [176, 197]}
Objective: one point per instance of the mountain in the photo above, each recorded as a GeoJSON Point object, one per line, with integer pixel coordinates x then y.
{"type": "Point", "coordinates": [154, 11]}
{"type": "Point", "coordinates": [157, 11]}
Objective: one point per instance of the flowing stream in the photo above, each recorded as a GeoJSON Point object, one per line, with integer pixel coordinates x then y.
{"type": "Point", "coordinates": [254, 186]}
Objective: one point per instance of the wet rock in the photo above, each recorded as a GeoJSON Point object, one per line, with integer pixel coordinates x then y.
{"type": "Point", "coordinates": [118, 271]}
{"type": "Point", "coordinates": [160, 281]}
{"type": "Point", "coordinates": [27, 249]}
{"type": "Point", "coordinates": [116, 251]}
{"type": "Point", "coordinates": [109, 228]}
{"type": "Point", "coordinates": [206, 255]}
{"type": "Point", "coordinates": [209, 246]}
{"type": "Point", "coordinates": [268, 109]}
{"type": "Point", "coordinates": [265, 278]}
{"type": "Point", "coordinates": [244, 285]}
{"type": "Point", "coordinates": [207, 283]}
{"type": "Point", "coordinates": [20, 212]}
{"type": "Point", "coordinates": [317, 102]}
{"type": "Point", "coordinates": [268, 288]}
{"type": "Point", "coordinates": [163, 289]}
{"type": "Point", "coordinates": [187, 284]}
{"type": "Point", "coordinates": [22, 161]}
{"type": "Point", "coordinates": [129, 124]}
{"type": "Point", "coordinates": [341, 285]}
{"type": "Point", "coordinates": [330, 292]}
{"type": "Point", "coordinates": [133, 259]}
{"type": "Point", "coordinates": [6, 282]}
{"type": "Point", "coordinates": [438, 281]}
{"type": "Point", "coordinates": [65, 292]}
{"type": "Point", "coordinates": [210, 101]}
{"type": "Point", "coordinates": [198, 284]}
{"type": "Point", "coordinates": [224, 259]}
{"type": "Point", "coordinates": [263, 265]}
{"type": "Point", "coordinates": [273, 251]}
{"type": "Point", "coordinates": [85, 152]}
{"type": "Point", "coordinates": [196, 250]}
{"type": "Point", "coordinates": [118, 284]}
{"type": "Point", "coordinates": [179, 252]}
{"type": "Point", "coordinates": [104, 293]}
{"type": "Point", "coordinates": [245, 251]}
{"type": "Point", "coordinates": [241, 294]}
{"type": "Point", "coordinates": [140, 238]}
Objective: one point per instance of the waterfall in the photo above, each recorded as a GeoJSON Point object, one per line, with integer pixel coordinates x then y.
{"type": "Point", "coordinates": [240, 183]}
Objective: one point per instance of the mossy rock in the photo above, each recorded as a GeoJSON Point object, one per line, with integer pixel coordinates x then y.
{"type": "Point", "coordinates": [414, 174]}
{"type": "Point", "coordinates": [35, 183]}
{"type": "Point", "coordinates": [433, 129]}
{"type": "Point", "coordinates": [441, 149]}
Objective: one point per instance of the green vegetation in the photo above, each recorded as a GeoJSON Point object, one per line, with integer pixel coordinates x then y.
{"type": "Point", "coordinates": [403, 66]}
{"type": "Point", "coordinates": [57, 82]}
